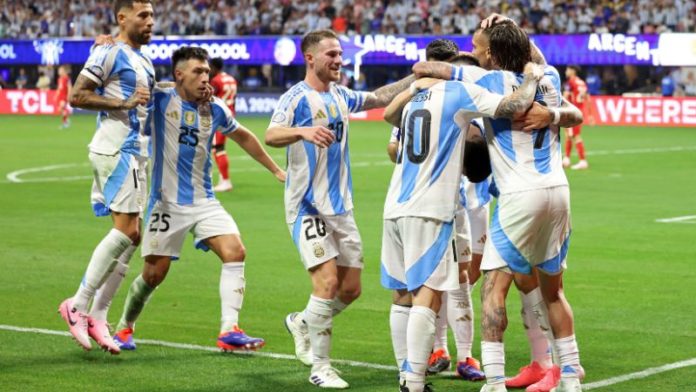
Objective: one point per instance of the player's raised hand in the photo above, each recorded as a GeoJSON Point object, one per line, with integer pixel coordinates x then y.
{"type": "Point", "coordinates": [422, 69]}
{"type": "Point", "coordinates": [140, 96]}
{"type": "Point", "coordinates": [319, 135]}
{"type": "Point", "coordinates": [104, 39]}
{"type": "Point", "coordinates": [493, 19]}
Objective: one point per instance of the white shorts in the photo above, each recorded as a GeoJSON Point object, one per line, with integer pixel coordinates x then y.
{"type": "Point", "coordinates": [166, 225]}
{"type": "Point", "coordinates": [417, 252]}
{"type": "Point", "coordinates": [529, 229]}
{"type": "Point", "coordinates": [462, 236]}
{"type": "Point", "coordinates": [321, 238]}
{"type": "Point", "coordinates": [120, 183]}
{"type": "Point", "coordinates": [478, 222]}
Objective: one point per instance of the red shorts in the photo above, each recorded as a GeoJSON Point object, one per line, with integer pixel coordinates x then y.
{"type": "Point", "coordinates": [219, 139]}
{"type": "Point", "coordinates": [575, 131]}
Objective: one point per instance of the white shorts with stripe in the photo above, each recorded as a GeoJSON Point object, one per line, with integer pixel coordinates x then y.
{"type": "Point", "coordinates": [462, 236]}
{"type": "Point", "coordinates": [167, 224]}
{"type": "Point", "coordinates": [478, 222]}
{"type": "Point", "coordinates": [120, 183]}
{"type": "Point", "coordinates": [529, 229]}
{"type": "Point", "coordinates": [321, 238]}
{"type": "Point", "coordinates": [417, 252]}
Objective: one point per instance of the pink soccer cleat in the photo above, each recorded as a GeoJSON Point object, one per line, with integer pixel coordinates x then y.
{"type": "Point", "coordinates": [77, 323]}
{"type": "Point", "coordinates": [99, 331]}
{"type": "Point", "coordinates": [528, 375]}
{"type": "Point", "coordinates": [548, 383]}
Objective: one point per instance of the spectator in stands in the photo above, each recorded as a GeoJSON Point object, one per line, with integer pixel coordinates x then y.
{"type": "Point", "coordinates": [21, 80]}
{"type": "Point", "coordinates": [252, 81]}
{"type": "Point", "coordinates": [667, 85]}
{"type": "Point", "coordinates": [44, 82]}
{"type": "Point", "coordinates": [690, 84]}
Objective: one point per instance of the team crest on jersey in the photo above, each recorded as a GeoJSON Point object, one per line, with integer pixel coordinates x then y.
{"type": "Point", "coordinates": [333, 110]}
{"type": "Point", "coordinates": [318, 250]}
{"type": "Point", "coordinates": [278, 117]}
{"type": "Point", "coordinates": [189, 117]}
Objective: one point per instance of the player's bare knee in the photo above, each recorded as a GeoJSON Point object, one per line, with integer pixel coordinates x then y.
{"type": "Point", "coordinates": [350, 294]}
{"type": "Point", "coordinates": [234, 253]}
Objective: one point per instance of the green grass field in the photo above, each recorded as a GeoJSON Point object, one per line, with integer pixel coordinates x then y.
{"type": "Point", "coordinates": [631, 280]}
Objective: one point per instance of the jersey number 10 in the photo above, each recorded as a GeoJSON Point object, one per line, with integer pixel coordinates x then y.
{"type": "Point", "coordinates": [423, 133]}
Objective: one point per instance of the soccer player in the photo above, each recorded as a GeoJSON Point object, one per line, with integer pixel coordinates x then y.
{"type": "Point", "coordinates": [225, 87]}
{"type": "Point", "coordinates": [182, 199]}
{"type": "Point", "coordinates": [62, 94]}
{"type": "Point", "coordinates": [311, 120]}
{"type": "Point", "coordinates": [419, 209]}
{"type": "Point", "coordinates": [576, 93]}
{"type": "Point", "coordinates": [116, 81]}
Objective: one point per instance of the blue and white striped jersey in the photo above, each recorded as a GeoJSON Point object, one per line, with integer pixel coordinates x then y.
{"type": "Point", "coordinates": [182, 134]}
{"type": "Point", "coordinates": [426, 177]}
{"type": "Point", "coordinates": [474, 195]}
{"type": "Point", "coordinates": [118, 69]}
{"type": "Point", "coordinates": [520, 160]}
{"type": "Point", "coordinates": [318, 179]}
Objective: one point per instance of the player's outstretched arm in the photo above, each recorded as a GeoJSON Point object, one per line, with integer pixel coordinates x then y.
{"type": "Point", "coordinates": [251, 144]}
{"type": "Point", "coordinates": [384, 95]}
{"type": "Point", "coordinates": [538, 116]}
{"type": "Point", "coordinates": [392, 114]}
{"type": "Point", "coordinates": [522, 98]}
{"type": "Point", "coordinates": [283, 136]}
{"type": "Point", "coordinates": [433, 69]}
{"type": "Point", "coordinates": [83, 96]}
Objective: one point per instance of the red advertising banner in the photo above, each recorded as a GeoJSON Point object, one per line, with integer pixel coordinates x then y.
{"type": "Point", "coordinates": [27, 102]}
{"type": "Point", "coordinates": [644, 111]}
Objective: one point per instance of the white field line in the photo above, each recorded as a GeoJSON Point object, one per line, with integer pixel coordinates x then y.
{"type": "Point", "coordinates": [679, 219]}
{"type": "Point", "coordinates": [15, 176]}
{"type": "Point", "coordinates": [585, 387]}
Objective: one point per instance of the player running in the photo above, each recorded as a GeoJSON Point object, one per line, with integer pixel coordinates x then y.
{"type": "Point", "coordinates": [182, 199]}
{"type": "Point", "coordinates": [225, 88]}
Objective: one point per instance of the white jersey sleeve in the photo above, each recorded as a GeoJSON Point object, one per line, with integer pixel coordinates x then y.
{"type": "Point", "coordinates": [99, 64]}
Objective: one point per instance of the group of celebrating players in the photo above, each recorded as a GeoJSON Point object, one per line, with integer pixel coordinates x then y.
{"type": "Point", "coordinates": [468, 126]}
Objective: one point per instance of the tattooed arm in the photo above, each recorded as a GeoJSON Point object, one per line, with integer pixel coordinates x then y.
{"type": "Point", "coordinates": [384, 95]}
{"type": "Point", "coordinates": [539, 116]}
{"type": "Point", "coordinates": [520, 100]}
{"type": "Point", "coordinates": [433, 69]}
{"type": "Point", "coordinates": [83, 96]}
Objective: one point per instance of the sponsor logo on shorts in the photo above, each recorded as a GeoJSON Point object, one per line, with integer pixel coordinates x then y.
{"type": "Point", "coordinates": [318, 250]}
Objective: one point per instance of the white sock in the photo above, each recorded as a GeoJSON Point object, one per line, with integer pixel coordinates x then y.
{"type": "Point", "coordinates": [398, 324]}
{"type": "Point", "coordinates": [419, 340]}
{"type": "Point", "coordinates": [139, 294]}
{"type": "Point", "coordinates": [568, 355]}
{"type": "Point", "coordinates": [537, 337]}
{"type": "Point", "coordinates": [493, 360]}
{"type": "Point", "coordinates": [103, 297]}
{"type": "Point", "coordinates": [460, 314]}
{"type": "Point", "coordinates": [441, 326]}
{"type": "Point", "coordinates": [100, 266]}
{"type": "Point", "coordinates": [319, 319]}
{"type": "Point", "coordinates": [231, 293]}
{"type": "Point", "coordinates": [337, 306]}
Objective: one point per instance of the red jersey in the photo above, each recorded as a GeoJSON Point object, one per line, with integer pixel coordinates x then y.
{"type": "Point", "coordinates": [577, 90]}
{"type": "Point", "coordinates": [63, 85]}
{"type": "Point", "coordinates": [225, 87]}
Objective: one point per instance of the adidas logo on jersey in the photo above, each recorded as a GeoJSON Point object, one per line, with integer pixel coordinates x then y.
{"type": "Point", "coordinates": [320, 115]}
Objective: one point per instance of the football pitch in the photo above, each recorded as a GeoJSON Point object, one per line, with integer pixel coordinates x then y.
{"type": "Point", "coordinates": [631, 277]}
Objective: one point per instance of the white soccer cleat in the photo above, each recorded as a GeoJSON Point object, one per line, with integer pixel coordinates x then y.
{"type": "Point", "coordinates": [300, 334]}
{"type": "Point", "coordinates": [568, 385]}
{"type": "Point", "coordinates": [223, 186]}
{"type": "Point", "coordinates": [566, 162]}
{"type": "Point", "coordinates": [582, 165]}
{"type": "Point", "coordinates": [494, 388]}
{"type": "Point", "coordinates": [328, 377]}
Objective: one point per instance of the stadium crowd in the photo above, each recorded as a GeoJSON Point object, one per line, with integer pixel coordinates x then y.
{"type": "Point", "coordinates": [25, 19]}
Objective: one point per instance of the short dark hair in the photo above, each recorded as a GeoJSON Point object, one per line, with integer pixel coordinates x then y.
{"type": "Point", "coordinates": [464, 59]}
{"type": "Point", "coordinates": [188, 52]}
{"type": "Point", "coordinates": [509, 45]}
{"type": "Point", "coordinates": [118, 4]}
{"type": "Point", "coordinates": [312, 38]}
{"type": "Point", "coordinates": [216, 63]}
{"type": "Point", "coordinates": [441, 49]}
{"type": "Point", "coordinates": [574, 68]}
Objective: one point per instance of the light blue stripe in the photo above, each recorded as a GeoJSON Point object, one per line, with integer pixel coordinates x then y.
{"type": "Point", "coordinates": [302, 118]}
{"type": "Point", "coordinates": [421, 270]}
{"type": "Point", "coordinates": [482, 191]}
{"type": "Point", "coordinates": [161, 101]}
{"type": "Point", "coordinates": [184, 165]}
{"type": "Point", "coordinates": [296, 227]}
{"type": "Point", "coordinates": [456, 98]}
{"type": "Point", "coordinates": [506, 249]}
{"type": "Point", "coordinates": [333, 158]}
{"type": "Point", "coordinates": [127, 82]}
{"type": "Point", "coordinates": [207, 182]}
{"type": "Point", "coordinates": [502, 132]}
{"type": "Point", "coordinates": [389, 282]}
{"type": "Point", "coordinates": [554, 264]}
{"type": "Point", "coordinates": [115, 182]}
{"type": "Point", "coordinates": [542, 156]}
{"type": "Point", "coordinates": [493, 81]}
{"type": "Point", "coordinates": [410, 170]}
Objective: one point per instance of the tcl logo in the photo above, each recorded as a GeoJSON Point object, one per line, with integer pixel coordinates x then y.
{"type": "Point", "coordinates": [27, 101]}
